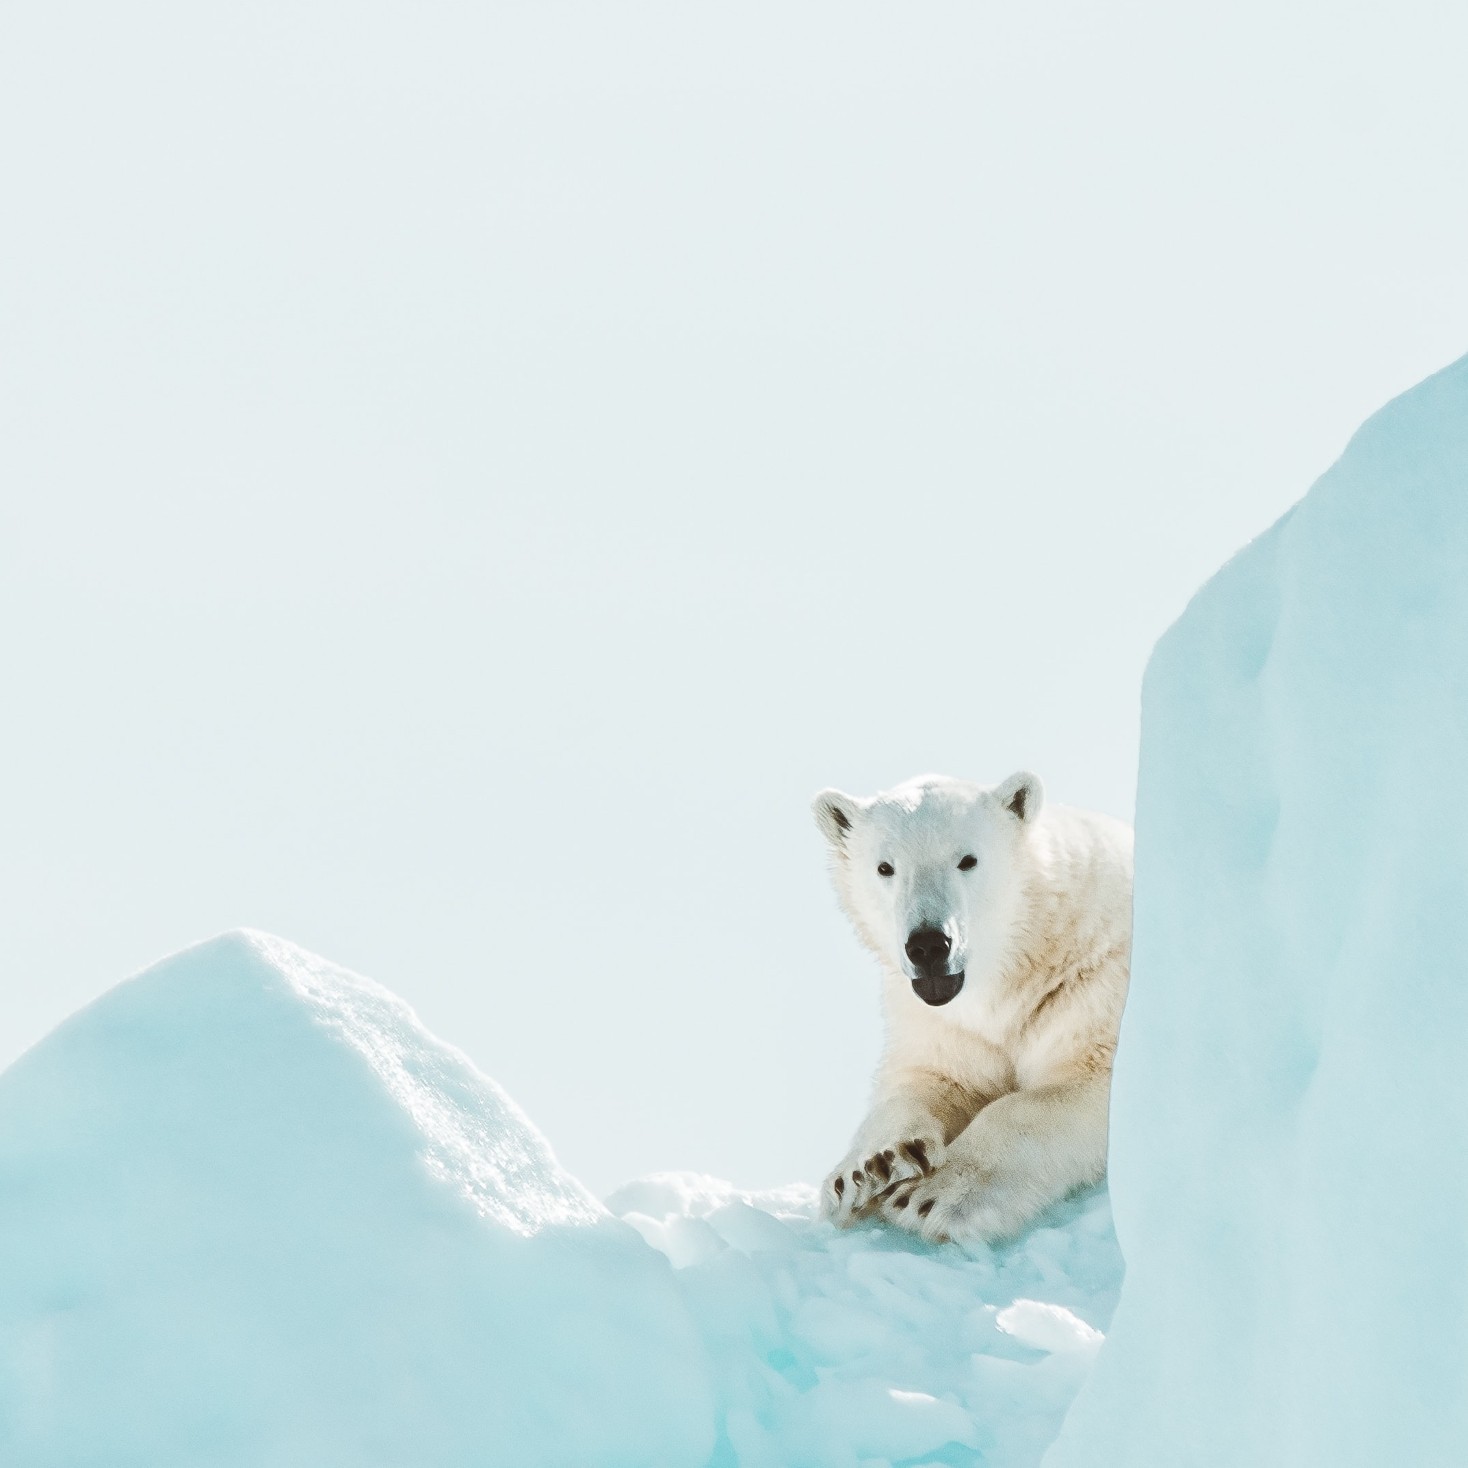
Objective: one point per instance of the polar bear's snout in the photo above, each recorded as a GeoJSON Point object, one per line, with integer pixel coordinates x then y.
{"type": "Point", "coordinates": [927, 950]}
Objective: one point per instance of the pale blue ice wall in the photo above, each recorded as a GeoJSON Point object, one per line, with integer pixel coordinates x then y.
{"type": "Point", "coordinates": [1289, 1168]}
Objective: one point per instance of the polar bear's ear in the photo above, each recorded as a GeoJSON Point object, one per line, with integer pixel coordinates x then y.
{"type": "Point", "coordinates": [1021, 795]}
{"type": "Point", "coordinates": [835, 812]}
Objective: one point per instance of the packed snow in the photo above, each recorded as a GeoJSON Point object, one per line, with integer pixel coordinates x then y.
{"type": "Point", "coordinates": [1291, 1096]}
{"type": "Point", "coordinates": [833, 1348]}
{"type": "Point", "coordinates": [253, 1214]}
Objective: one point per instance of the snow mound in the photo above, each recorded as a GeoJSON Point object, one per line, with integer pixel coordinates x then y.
{"type": "Point", "coordinates": [1291, 1096]}
{"type": "Point", "coordinates": [833, 1349]}
{"type": "Point", "coordinates": [251, 1213]}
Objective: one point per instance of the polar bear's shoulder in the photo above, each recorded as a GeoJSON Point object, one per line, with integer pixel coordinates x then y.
{"type": "Point", "coordinates": [1083, 850]}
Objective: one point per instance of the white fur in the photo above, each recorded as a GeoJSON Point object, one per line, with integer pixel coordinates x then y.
{"type": "Point", "coordinates": [1005, 1089]}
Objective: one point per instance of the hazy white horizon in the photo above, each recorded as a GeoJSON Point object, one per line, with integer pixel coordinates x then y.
{"type": "Point", "coordinates": [467, 476]}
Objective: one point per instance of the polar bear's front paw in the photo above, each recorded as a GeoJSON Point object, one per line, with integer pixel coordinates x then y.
{"type": "Point", "coordinates": [870, 1173]}
{"type": "Point", "coordinates": [961, 1203]}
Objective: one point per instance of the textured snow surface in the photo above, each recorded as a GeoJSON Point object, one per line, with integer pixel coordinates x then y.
{"type": "Point", "coordinates": [1290, 1114]}
{"type": "Point", "coordinates": [251, 1213]}
{"type": "Point", "coordinates": [832, 1349]}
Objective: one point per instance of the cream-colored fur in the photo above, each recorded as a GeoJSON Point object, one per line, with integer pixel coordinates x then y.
{"type": "Point", "coordinates": [993, 1105]}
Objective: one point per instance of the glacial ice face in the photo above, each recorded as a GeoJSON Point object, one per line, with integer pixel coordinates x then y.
{"type": "Point", "coordinates": [251, 1213]}
{"type": "Point", "coordinates": [1290, 1112]}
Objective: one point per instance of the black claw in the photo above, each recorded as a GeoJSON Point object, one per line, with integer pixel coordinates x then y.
{"type": "Point", "coordinates": [925, 1208]}
{"type": "Point", "coordinates": [840, 1186]}
{"type": "Point", "coordinates": [918, 1153]}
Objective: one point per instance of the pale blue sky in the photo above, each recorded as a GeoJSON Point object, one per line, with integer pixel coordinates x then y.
{"type": "Point", "coordinates": [468, 473]}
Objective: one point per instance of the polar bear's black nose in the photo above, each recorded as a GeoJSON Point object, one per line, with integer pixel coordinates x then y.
{"type": "Point", "coordinates": [928, 947]}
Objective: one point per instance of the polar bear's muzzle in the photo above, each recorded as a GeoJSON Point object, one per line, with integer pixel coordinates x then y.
{"type": "Point", "coordinates": [938, 988]}
{"type": "Point", "coordinates": [928, 950]}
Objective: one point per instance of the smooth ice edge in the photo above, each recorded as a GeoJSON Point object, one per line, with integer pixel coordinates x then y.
{"type": "Point", "coordinates": [1290, 1098]}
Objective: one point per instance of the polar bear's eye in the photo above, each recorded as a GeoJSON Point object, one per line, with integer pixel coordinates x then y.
{"type": "Point", "coordinates": [884, 868]}
{"type": "Point", "coordinates": [968, 863]}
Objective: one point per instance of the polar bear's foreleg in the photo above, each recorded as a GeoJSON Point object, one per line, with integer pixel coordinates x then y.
{"type": "Point", "coordinates": [1020, 1154]}
{"type": "Point", "coordinates": [903, 1138]}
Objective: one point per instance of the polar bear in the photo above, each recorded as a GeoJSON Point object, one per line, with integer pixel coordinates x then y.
{"type": "Point", "coordinates": [1003, 931]}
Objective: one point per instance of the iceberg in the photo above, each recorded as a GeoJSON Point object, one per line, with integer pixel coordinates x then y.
{"type": "Point", "coordinates": [1290, 1108]}
{"type": "Point", "coordinates": [251, 1213]}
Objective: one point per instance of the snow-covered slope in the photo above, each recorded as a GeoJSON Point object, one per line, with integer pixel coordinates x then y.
{"type": "Point", "coordinates": [1290, 1122]}
{"type": "Point", "coordinates": [252, 1214]}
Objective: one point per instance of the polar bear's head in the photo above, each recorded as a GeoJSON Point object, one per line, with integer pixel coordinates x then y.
{"type": "Point", "coordinates": [932, 873]}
